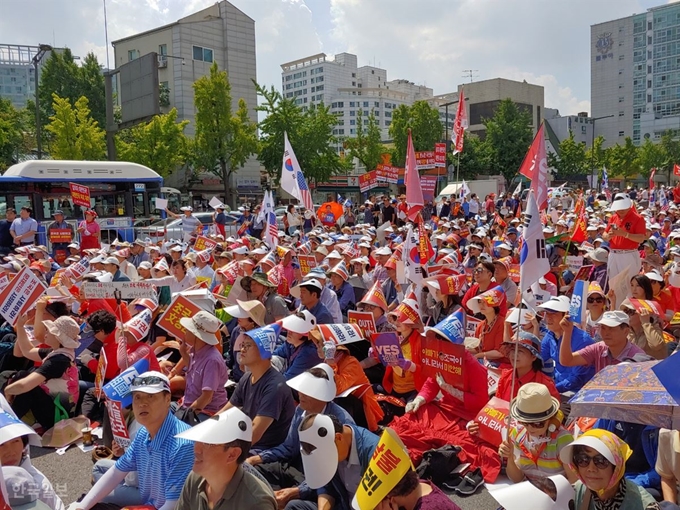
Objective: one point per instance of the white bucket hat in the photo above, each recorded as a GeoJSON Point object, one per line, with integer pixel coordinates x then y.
{"type": "Point", "coordinates": [222, 428]}
{"type": "Point", "coordinates": [66, 330]}
{"type": "Point", "coordinates": [319, 388]}
{"type": "Point", "coordinates": [204, 325]}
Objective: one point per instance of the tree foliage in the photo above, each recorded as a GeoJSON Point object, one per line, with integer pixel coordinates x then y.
{"type": "Point", "coordinates": [426, 129]}
{"type": "Point", "coordinates": [310, 133]}
{"type": "Point", "coordinates": [650, 155]}
{"type": "Point", "coordinates": [76, 135]}
{"type": "Point", "coordinates": [366, 146]}
{"type": "Point", "coordinates": [11, 133]}
{"type": "Point", "coordinates": [621, 160]}
{"type": "Point", "coordinates": [572, 158]}
{"type": "Point", "coordinates": [159, 144]}
{"type": "Point", "coordinates": [224, 139]}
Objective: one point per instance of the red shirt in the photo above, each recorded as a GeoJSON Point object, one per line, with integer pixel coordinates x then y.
{"type": "Point", "coordinates": [632, 223]}
{"type": "Point", "coordinates": [676, 195]}
{"type": "Point", "coordinates": [505, 383]}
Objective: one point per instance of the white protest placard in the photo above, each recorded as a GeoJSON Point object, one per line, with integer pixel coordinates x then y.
{"type": "Point", "coordinates": [215, 203]}
{"type": "Point", "coordinates": [128, 290]}
{"type": "Point", "coordinates": [75, 271]}
{"type": "Point", "coordinates": [20, 295]}
{"type": "Point", "coordinates": [574, 263]}
{"type": "Point", "coordinates": [162, 204]}
{"type": "Point", "coordinates": [4, 282]}
{"type": "Point", "coordinates": [119, 428]}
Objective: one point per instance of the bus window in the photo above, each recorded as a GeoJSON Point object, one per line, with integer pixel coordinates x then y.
{"type": "Point", "coordinates": [104, 205]}
{"type": "Point", "coordinates": [53, 202]}
{"type": "Point", "coordinates": [3, 206]}
{"type": "Point", "coordinates": [138, 205]}
{"type": "Point", "coordinates": [120, 204]}
{"type": "Point", "coordinates": [22, 201]}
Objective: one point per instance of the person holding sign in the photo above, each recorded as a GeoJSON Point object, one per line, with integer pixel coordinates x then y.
{"type": "Point", "coordinates": [90, 232]}
{"type": "Point", "coordinates": [645, 329]}
{"type": "Point", "coordinates": [491, 304]}
{"type": "Point", "coordinates": [190, 223]}
{"type": "Point", "coordinates": [60, 234]}
{"type": "Point", "coordinates": [533, 445]}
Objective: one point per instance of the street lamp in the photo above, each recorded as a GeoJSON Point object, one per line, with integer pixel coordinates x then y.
{"type": "Point", "coordinates": [592, 150]}
{"type": "Point", "coordinates": [42, 49]}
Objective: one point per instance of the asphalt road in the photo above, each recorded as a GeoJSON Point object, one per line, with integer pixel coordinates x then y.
{"type": "Point", "coordinates": [71, 473]}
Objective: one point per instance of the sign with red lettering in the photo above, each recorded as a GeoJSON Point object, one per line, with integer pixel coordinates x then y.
{"type": "Point", "coordinates": [387, 173]}
{"type": "Point", "coordinates": [368, 181]}
{"type": "Point", "coordinates": [492, 421]}
{"type": "Point", "coordinates": [440, 155]}
{"type": "Point", "coordinates": [441, 356]}
{"type": "Point", "coordinates": [203, 243]}
{"type": "Point", "coordinates": [119, 429]}
{"type": "Point", "coordinates": [180, 307]}
{"type": "Point", "coordinates": [60, 235]}
{"type": "Point", "coordinates": [80, 194]}
{"type": "Point", "coordinates": [425, 160]}
{"type": "Point", "coordinates": [20, 295]}
{"type": "Point", "coordinates": [364, 320]}
{"type": "Point", "coordinates": [100, 375]}
{"type": "Point", "coordinates": [428, 183]}
{"type": "Point", "coordinates": [4, 281]}
{"type": "Point", "coordinates": [307, 263]}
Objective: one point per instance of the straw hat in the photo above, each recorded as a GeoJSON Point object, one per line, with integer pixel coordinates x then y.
{"type": "Point", "coordinates": [534, 404]}
{"type": "Point", "coordinates": [203, 325]}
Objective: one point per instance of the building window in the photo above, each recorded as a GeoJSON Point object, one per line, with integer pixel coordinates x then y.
{"type": "Point", "coordinates": [341, 104]}
{"type": "Point", "coordinates": [388, 114]}
{"type": "Point", "coordinates": [341, 131]}
{"type": "Point", "coordinates": [133, 55]}
{"type": "Point", "coordinates": [352, 122]}
{"type": "Point", "coordinates": [387, 123]}
{"type": "Point", "coordinates": [621, 114]}
{"type": "Point", "coordinates": [341, 122]}
{"type": "Point", "coordinates": [352, 104]}
{"type": "Point", "coordinates": [352, 131]}
{"type": "Point", "coordinates": [621, 57]}
{"type": "Point", "coordinates": [583, 130]}
{"type": "Point", "coordinates": [622, 133]}
{"type": "Point", "coordinates": [352, 113]}
{"type": "Point", "coordinates": [203, 54]}
{"type": "Point", "coordinates": [621, 99]}
{"type": "Point", "coordinates": [365, 104]}
{"type": "Point", "coordinates": [354, 75]}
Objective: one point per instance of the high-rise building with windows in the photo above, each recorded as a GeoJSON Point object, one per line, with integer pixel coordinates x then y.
{"type": "Point", "coordinates": [17, 73]}
{"type": "Point", "coordinates": [635, 75]}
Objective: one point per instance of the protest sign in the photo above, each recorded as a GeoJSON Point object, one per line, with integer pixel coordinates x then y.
{"type": "Point", "coordinates": [20, 295]}
{"type": "Point", "coordinates": [119, 428]}
{"type": "Point", "coordinates": [365, 321]}
{"type": "Point", "coordinates": [100, 375]}
{"type": "Point", "coordinates": [552, 493]}
{"type": "Point", "coordinates": [513, 273]}
{"type": "Point", "coordinates": [75, 271]}
{"type": "Point", "coordinates": [368, 181]}
{"type": "Point", "coordinates": [341, 334]}
{"type": "Point", "coordinates": [425, 160]}
{"type": "Point", "coordinates": [307, 263]}
{"type": "Point", "coordinates": [574, 263]}
{"type": "Point", "coordinates": [128, 290]}
{"type": "Point", "coordinates": [118, 388]}
{"type": "Point", "coordinates": [215, 203]}
{"type": "Point", "coordinates": [584, 273]}
{"type": "Point", "coordinates": [80, 194]}
{"type": "Point", "coordinates": [180, 307]}
{"type": "Point", "coordinates": [493, 376]}
{"type": "Point", "coordinates": [492, 421]}
{"type": "Point", "coordinates": [60, 235]}
{"type": "Point", "coordinates": [428, 184]}
{"type": "Point", "coordinates": [440, 155]}
{"type": "Point", "coordinates": [471, 325]}
{"type": "Point", "coordinates": [577, 306]}
{"type": "Point", "coordinates": [388, 465]}
{"type": "Point", "coordinates": [203, 243]}
{"type": "Point", "coordinates": [4, 282]}
{"type": "Point", "coordinates": [440, 356]}
{"type": "Point", "coordinates": [387, 173]}
{"type": "Point", "coordinates": [386, 345]}
{"type": "Point", "coordinates": [644, 304]}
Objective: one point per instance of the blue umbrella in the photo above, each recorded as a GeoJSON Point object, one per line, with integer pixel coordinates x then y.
{"type": "Point", "coordinates": [628, 392]}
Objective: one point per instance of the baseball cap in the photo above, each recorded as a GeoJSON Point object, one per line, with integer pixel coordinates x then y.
{"type": "Point", "coordinates": [150, 382]}
{"type": "Point", "coordinates": [621, 202]}
{"type": "Point", "coordinates": [312, 282]}
{"type": "Point", "coordinates": [186, 208]}
{"type": "Point", "coordinates": [556, 304]}
{"type": "Point", "coordinates": [145, 265]}
{"type": "Point", "coordinates": [613, 318]}
{"type": "Point", "coordinates": [112, 260]}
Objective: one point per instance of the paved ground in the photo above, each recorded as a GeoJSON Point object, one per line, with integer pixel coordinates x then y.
{"type": "Point", "coordinates": [70, 474]}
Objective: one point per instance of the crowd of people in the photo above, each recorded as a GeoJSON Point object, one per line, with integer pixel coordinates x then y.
{"type": "Point", "coordinates": [275, 396]}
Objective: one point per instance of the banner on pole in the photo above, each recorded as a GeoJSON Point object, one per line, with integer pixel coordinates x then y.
{"type": "Point", "coordinates": [80, 194]}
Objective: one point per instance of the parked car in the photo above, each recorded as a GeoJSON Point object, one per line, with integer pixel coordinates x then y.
{"type": "Point", "coordinates": [174, 227]}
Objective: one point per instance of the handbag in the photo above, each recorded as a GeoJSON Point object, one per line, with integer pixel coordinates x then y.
{"type": "Point", "coordinates": [187, 415]}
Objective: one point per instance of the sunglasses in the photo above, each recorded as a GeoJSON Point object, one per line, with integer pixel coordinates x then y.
{"type": "Point", "coordinates": [147, 381]}
{"type": "Point", "coordinates": [583, 460]}
{"type": "Point", "coordinates": [629, 312]}
{"type": "Point", "coordinates": [534, 425]}
{"type": "Point", "coordinates": [479, 270]}
{"type": "Point", "coordinates": [595, 300]}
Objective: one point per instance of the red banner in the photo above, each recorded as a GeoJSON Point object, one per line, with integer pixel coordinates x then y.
{"type": "Point", "coordinates": [440, 155]}
{"type": "Point", "coordinates": [60, 235]}
{"type": "Point", "coordinates": [368, 181]}
{"type": "Point", "coordinates": [307, 263]}
{"type": "Point", "coordinates": [180, 307]}
{"type": "Point", "coordinates": [440, 356]}
{"type": "Point", "coordinates": [492, 421]}
{"type": "Point", "coordinates": [387, 173]}
{"type": "Point", "coordinates": [428, 183]}
{"type": "Point", "coordinates": [20, 295]}
{"type": "Point", "coordinates": [364, 320]}
{"type": "Point", "coordinates": [425, 160]}
{"type": "Point", "coordinates": [80, 194]}
{"type": "Point", "coordinates": [99, 376]}
{"type": "Point", "coordinates": [203, 243]}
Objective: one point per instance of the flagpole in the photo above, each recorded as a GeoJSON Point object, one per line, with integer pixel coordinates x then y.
{"type": "Point", "coordinates": [457, 168]}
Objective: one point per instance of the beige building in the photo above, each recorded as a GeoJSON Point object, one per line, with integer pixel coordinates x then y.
{"type": "Point", "coordinates": [186, 50]}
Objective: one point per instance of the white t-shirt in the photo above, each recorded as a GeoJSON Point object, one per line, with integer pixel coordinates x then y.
{"type": "Point", "coordinates": [474, 207]}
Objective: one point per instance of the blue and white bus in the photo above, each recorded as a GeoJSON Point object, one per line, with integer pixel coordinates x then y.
{"type": "Point", "coordinates": [123, 194]}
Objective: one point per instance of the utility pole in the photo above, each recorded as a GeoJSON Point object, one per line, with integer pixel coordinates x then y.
{"type": "Point", "coordinates": [42, 49]}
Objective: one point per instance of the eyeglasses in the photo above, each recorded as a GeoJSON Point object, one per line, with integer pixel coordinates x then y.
{"type": "Point", "coordinates": [479, 270]}
{"type": "Point", "coordinates": [245, 346]}
{"type": "Point", "coordinates": [583, 460]}
{"type": "Point", "coordinates": [534, 425]}
{"type": "Point", "coordinates": [150, 380]}
{"type": "Point", "coordinates": [595, 300]}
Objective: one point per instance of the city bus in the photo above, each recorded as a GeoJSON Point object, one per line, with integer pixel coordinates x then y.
{"type": "Point", "coordinates": [123, 194]}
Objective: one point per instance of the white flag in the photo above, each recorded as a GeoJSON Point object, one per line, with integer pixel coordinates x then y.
{"type": "Point", "coordinates": [533, 257]}
{"type": "Point", "coordinates": [464, 189]}
{"type": "Point", "coordinates": [289, 170]}
{"type": "Point", "coordinates": [271, 228]}
{"type": "Point", "coordinates": [518, 189]}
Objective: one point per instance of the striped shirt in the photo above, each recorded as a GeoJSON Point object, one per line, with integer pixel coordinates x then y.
{"type": "Point", "coordinates": [162, 463]}
{"type": "Point", "coordinates": [548, 462]}
{"type": "Point", "coordinates": [190, 224]}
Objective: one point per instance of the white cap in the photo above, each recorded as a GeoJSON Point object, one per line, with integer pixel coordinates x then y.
{"type": "Point", "coordinates": [312, 282]}
{"type": "Point", "coordinates": [186, 208]}
{"type": "Point", "coordinates": [319, 388]}
{"type": "Point", "coordinates": [301, 322]}
{"type": "Point", "coordinates": [621, 202]}
{"type": "Point", "coordinates": [145, 265]}
{"type": "Point", "coordinates": [241, 250]}
{"type": "Point", "coordinates": [613, 318]}
{"type": "Point", "coordinates": [112, 260]}
{"type": "Point", "coordinates": [221, 428]}
{"type": "Point", "coordinates": [74, 245]}
{"type": "Point", "coordinates": [383, 251]}
{"type": "Point", "coordinates": [556, 304]}
{"type": "Point", "coordinates": [654, 276]}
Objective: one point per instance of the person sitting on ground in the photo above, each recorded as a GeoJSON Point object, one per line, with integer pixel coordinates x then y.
{"type": "Point", "coordinates": [249, 315]}
{"type": "Point", "coordinates": [218, 480]}
{"type": "Point", "coordinates": [298, 353]}
{"type": "Point", "coordinates": [262, 393]}
{"type": "Point", "coordinates": [161, 460]}
{"type": "Point", "coordinates": [645, 330]}
{"type": "Point", "coordinates": [410, 493]}
{"type": "Point", "coordinates": [282, 465]}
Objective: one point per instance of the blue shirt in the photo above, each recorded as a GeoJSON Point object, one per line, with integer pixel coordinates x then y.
{"type": "Point", "coordinates": [20, 227]}
{"type": "Point", "coordinates": [567, 378]}
{"type": "Point", "coordinates": [299, 358]}
{"type": "Point", "coordinates": [346, 298]}
{"type": "Point", "coordinates": [163, 463]}
{"type": "Point", "coordinates": [321, 313]}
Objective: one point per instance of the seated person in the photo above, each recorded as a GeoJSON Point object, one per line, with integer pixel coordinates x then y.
{"type": "Point", "coordinates": [282, 465]}
{"type": "Point", "coordinates": [162, 460]}
{"type": "Point", "coordinates": [410, 493]}
{"type": "Point", "coordinates": [262, 392]}
{"type": "Point", "coordinates": [298, 353]}
{"type": "Point", "coordinates": [218, 479]}
{"type": "Point", "coordinates": [667, 465]}
{"type": "Point", "coordinates": [535, 441]}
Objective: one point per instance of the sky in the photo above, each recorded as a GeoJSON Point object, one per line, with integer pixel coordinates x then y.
{"type": "Point", "coordinates": [429, 42]}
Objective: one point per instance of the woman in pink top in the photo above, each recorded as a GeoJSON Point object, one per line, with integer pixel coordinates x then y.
{"type": "Point", "coordinates": [90, 233]}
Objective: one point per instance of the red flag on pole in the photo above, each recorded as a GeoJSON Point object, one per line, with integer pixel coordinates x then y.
{"type": "Point", "coordinates": [676, 169]}
{"type": "Point", "coordinates": [580, 234]}
{"type": "Point", "coordinates": [535, 167]}
{"type": "Point", "coordinates": [459, 125]}
{"type": "Point", "coordinates": [414, 193]}
{"type": "Point", "coordinates": [651, 178]}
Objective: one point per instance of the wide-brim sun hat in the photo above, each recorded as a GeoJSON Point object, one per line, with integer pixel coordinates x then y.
{"type": "Point", "coordinates": [66, 330]}
{"type": "Point", "coordinates": [533, 404]}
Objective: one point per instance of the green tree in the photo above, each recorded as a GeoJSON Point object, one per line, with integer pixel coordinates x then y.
{"type": "Point", "coordinates": [651, 155]}
{"type": "Point", "coordinates": [426, 129]}
{"type": "Point", "coordinates": [366, 146]}
{"type": "Point", "coordinates": [92, 87]}
{"type": "Point", "coordinates": [224, 140]}
{"type": "Point", "coordinates": [11, 135]}
{"type": "Point", "coordinates": [621, 160]}
{"type": "Point", "coordinates": [159, 144]}
{"type": "Point", "coordinates": [76, 135]}
{"type": "Point", "coordinates": [597, 156]}
{"type": "Point", "coordinates": [671, 146]}
{"type": "Point", "coordinates": [508, 137]}
{"type": "Point", "coordinates": [571, 159]}
{"type": "Point", "coordinates": [474, 160]}
{"type": "Point", "coordinates": [310, 134]}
